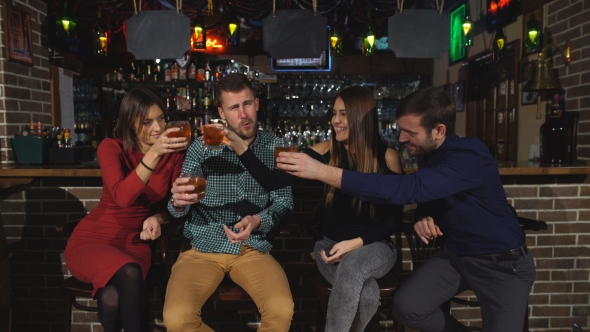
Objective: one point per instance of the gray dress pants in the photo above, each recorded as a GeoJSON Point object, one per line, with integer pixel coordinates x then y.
{"type": "Point", "coordinates": [502, 289]}
{"type": "Point", "coordinates": [354, 298]}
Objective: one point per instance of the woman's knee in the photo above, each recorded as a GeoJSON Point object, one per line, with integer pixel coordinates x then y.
{"type": "Point", "coordinates": [108, 299]}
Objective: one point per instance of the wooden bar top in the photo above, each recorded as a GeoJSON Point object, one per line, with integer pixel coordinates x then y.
{"type": "Point", "coordinates": [92, 169]}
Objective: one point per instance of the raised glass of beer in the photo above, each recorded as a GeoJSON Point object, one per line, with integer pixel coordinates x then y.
{"type": "Point", "coordinates": [285, 147]}
{"type": "Point", "coordinates": [213, 136]}
{"type": "Point", "coordinates": [196, 179]}
{"type": "Point", "coordinates": [185, 129]}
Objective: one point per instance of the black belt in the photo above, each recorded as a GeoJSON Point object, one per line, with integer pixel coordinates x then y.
{"type": "Point", "coordinates": [510, 255]}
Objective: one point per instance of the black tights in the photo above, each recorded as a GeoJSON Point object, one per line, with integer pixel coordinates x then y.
{"type": "Point", "coordinates": [123, 301]}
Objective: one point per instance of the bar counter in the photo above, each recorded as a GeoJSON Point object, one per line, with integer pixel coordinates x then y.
{"type": "Point", "coordinates": [92, 169]}
{"type": "Point", "coordinates": [558, 195]}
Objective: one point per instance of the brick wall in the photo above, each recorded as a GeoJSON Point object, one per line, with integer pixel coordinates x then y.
{"type": "Point", "coordinates": [560, 297]}
{"type": "Point", "coordinates": [24, 90]}
{"type": "Point", "coordinates": [568, 20]}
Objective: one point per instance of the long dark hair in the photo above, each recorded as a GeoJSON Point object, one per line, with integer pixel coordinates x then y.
{"type": "Point", "coordinates": [132, 112]}
{"type": "Point", "coordinates": [363, 137]}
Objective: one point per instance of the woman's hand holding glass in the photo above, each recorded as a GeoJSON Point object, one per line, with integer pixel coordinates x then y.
{"type": "Point", "coordinates": [167, 143]}
{"type": "Point", "coordinates": [151, 229]}
{"type": "Point", "coordinates": [234, 141]}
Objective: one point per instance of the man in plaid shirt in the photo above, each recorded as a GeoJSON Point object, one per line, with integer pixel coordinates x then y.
{"type": "Point", "coordinates": [227, 227]}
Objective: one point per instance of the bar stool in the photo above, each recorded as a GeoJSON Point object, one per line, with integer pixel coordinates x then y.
{"type": "Point", "coordinates": [73, 288]}
{"type": "Point", "coordinates": [8, 186]}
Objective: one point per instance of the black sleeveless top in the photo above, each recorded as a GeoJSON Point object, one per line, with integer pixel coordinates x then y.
{"type": "Point", "coordinates": [341, 221]}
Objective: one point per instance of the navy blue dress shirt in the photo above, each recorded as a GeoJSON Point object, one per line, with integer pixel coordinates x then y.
{"type": "Point", "coordinates": [459, 186]}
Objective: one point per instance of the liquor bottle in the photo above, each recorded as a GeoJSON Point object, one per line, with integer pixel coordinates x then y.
{"type": "Point", "coordinates": [195, 101]}
{"type": "Point", "coordinates": [555, 135]}
{"type": "Point", "coordinates": [169, 100]}
{"type": "Point", "coordinates": [182, 73]}
{"type": "Point", "coordinates": [119, 75]}
{"type": "Point", "coordinates": [143, 75]}
{"type": "Point", "coordinates": [207, 71]}
{"type": "Point", "coordinates": [207, 100]}
{"type": "Point", "coordinates": [155, 73]}
{"type": "Point", "coordinates": [502, 90]}
{"type": "Point", "coordinates": [132, 77]}
{"type": "Point", "coordinates": [167, 73]}
{"type": "Point", "coordinates": [174, 72]}
{"type": "Point", "coordinates": [192, 72]}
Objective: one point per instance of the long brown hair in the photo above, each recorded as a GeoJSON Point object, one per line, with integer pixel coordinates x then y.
{"type": "Point", "coordinates": [134, 107]}
{"type": "Point", "coordinates": [363, 137]}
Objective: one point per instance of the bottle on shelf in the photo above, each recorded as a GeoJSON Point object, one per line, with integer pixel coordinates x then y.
{"type": "Point", "coordinates": [119, 75]}
{"type": "Point", "coordinates": [555, 135]}
{"type": "Point", "coordinates": [207, 99]}
{"type": "Point", "coordinates": [155, 73]}
{"type": "Point", "coordinates": [167, 74]}
{"type": "Point", "coordinates": [132, 72]}
{"type": "Point", "coordinates": [192, 72]}
{"type": "Point", "coordinates": [194, 101]}
{"type": "Point", "coordinates": [182, 73]}
{"type": "Point", "coordinates": [174, 72]}
{"type": "Point", "coordinates": [170, 102]}
{"type": "Point", "coordinates": [207, 72]}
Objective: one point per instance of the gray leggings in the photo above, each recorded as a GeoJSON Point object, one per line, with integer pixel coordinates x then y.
{"type": "Point", "coordinates": [355, 294]}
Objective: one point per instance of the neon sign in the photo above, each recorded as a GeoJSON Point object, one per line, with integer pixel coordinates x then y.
{"type": "Point", "coordinates": [213, 43]}
{"type": "Point", "coordinates": [495, 6]}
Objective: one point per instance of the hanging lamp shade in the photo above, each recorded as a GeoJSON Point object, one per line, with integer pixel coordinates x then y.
{"type": "Point", "coordinates": [233, 28]}
{"type": "Point", "coordinates": [467, 28]}
{"type": "Point", "coordinates": [335, 41]}
{"type": "Point", "coordinates": [101, 38]}
{"type": "Point", "coordinates": [369, 40]}
{"type": "Point", "coordinates": [65, 24]}
{"type": "Point", "coordinates": [199, 33]}
{"type": "Point", "coordinates": [498, 46]}
{"type": "Point", "coordinates": [533, 35]}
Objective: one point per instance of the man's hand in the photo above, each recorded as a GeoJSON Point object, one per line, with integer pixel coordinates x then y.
{"type": "Point", "coordinates": [304, 166]}
{"type": "Point", "coordinates": [245, 228]}
{"type": "Point", "coordinates": [427, 229]}
{"type": "Point", "coordinates": [181, 200]}
{"type": "Point", "coordinates": [151, 229]}
{"type": "Point", "coordinates": [340, 249]}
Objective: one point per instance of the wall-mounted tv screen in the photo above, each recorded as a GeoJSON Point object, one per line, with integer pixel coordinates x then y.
{"type": "Point", "coordinates": [323, 63]}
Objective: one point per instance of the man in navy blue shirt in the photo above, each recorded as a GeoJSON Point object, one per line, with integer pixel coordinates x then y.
{"type": "Point", "coordinates": [461, 199]}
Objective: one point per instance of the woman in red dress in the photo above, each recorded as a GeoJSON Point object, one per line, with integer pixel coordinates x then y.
{"type": "Point", "coordinates": [109, 247]}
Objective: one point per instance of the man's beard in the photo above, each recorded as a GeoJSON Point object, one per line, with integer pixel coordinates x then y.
{"type": "Point", "coordinates": [424, 149]}
{"type": "Point", "coordinates": [241, 133]}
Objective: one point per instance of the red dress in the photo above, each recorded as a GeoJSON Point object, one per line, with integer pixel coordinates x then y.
{"type": "Point", "coordinates": [108, 237]}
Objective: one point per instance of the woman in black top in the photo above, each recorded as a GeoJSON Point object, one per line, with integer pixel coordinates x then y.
{"type": "Point", "coordinates": [357, 247]}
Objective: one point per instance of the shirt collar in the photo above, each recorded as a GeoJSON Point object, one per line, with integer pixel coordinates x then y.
{"type": "Point", "coordinates": [435, 156]}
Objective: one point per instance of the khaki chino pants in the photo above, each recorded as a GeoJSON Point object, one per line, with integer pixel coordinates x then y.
{"type": "Point", "coordinates": [196, 275]}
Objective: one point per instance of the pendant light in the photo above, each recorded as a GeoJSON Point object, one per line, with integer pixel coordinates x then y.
{"type": "Point", "coordinates": [369, 40]}
{"type": "Point", "coordinates": [65, 25]}
{"type": "Point", "coordinates": [533, 33]}
{"type": "Point", "coordinates": [335, 41]}
{"type": "Point", "coordinates": [233, 28]}
{"type": "Point", "coordinates": [498, 46]}
{"type": "Point", "coordinates": [100, 36]}
{"type": "Point", "coordinates": [199, 34]}
{"type": "Point", "coordinates": [467, 28]}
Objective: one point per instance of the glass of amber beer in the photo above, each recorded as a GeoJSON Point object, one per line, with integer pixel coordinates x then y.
{"type": "Point", "coordinates": [196, 179]}
{"type": "Point", "coordinates": [285, 147]}
{"type": "Point", "coordinates": [185, 129]}
{"type": "Point", "coordinates": [213, 136]}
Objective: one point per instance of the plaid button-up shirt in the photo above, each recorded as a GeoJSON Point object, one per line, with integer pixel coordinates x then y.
{"type": "Point", "coordinates": [231, 194]}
